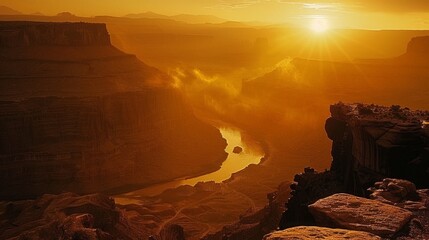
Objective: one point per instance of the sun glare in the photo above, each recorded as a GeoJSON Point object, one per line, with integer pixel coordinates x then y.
{"type": "Point", "coordinates": [319, 25]}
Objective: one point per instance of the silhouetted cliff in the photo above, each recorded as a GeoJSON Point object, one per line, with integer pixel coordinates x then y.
{"type": "Point", "coordinates": [371, 142]}
{"type": "Point", "coordinates": [93, 144]}
{"type": "Point", "coordinates": [26, 34]}
{"type": "Point", "coordinates": [419, 46]}
{"type": "Point", "coordinates": [88, 118]}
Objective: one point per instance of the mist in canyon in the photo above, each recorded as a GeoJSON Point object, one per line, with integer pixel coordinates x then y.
{"type": "Point", "coordinates": [188, 123]}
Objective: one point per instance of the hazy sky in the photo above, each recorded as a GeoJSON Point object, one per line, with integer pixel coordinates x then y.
{"type": "Point", "coordinates": [377, 14]}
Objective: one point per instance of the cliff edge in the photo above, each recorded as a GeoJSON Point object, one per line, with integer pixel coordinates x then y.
{"type": "Point", "coordinates": [371, 142]}
{"type": "Point", "coordinates": [30, 34]}
{"type": "Point", "coordinates": [77, 114]}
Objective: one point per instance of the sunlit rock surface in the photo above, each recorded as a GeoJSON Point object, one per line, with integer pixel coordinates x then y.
{"type": "Point", "coordinates": [84, 117]}
{"type": "Point", "coordinates": [312, 232]}
{"type": "Point", "coordinates": [356, 213]}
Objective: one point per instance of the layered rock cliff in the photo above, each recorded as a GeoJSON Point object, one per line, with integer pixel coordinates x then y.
{"type": "Point", "coordinates": [371, 142]}
{"type": "Point", "coordinates": [83, 116]}
{"type": "Point", "coordinates": [27, 34]}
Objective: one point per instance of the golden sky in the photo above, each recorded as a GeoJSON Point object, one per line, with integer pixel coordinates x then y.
{"type": "Point", "coordinates": [372, 14]}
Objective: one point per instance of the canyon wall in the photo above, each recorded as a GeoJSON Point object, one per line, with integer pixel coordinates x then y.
{"type": "Point", "coordinates": [419, 46]}
{"type": "Point", "coordinates": [371, 142]}
{"type": "Point", "coordinates": [87, 118]}
{"type": "Point", "coordinates": [27, 34]}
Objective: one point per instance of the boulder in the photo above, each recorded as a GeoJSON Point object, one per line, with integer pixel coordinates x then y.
{"type": "Point", "coordinates": [237, 150]}
{"type": "Point", "coordinates": [311, 232]}
{"type": "Point", "coordinates": [401, 193]}
{"type": "Point", "coordinates": [356, 213]}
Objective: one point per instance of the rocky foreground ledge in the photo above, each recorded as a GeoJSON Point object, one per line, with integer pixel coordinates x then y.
{"type": "Point", "coordinates": [374, 147]}
{"type": "Point", "coordinates": [394, 210]}
{"type": "Point", "coordinates": [379, 156]}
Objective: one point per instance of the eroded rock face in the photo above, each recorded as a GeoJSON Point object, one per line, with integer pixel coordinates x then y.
{"type": "Point", "coordinates": [356, 213]}
{"type": "Point", "coordinates": [311, 232]}
{"type": "Point", "coordinates": [93, 144]}
{"type": "Point", "coordinates": [378, 142]}
{"type": "Point", "coordinates": [308, 187]}
{"type": "Point", "coordinates": [66, 216]}
{"type": "Point", "coordinates": [27, 34]}
{"type": "Point", "coordinates": [85, 117]}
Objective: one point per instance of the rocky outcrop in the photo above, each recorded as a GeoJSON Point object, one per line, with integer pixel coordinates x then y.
{"type": "Point", "coordinates": [254, 225]}
{"type": "Point", "coordinates": [66, 216]}
{"type": "Point", "coordinates": [401, 193]}
{"type": "Point", "coordinates": [371, 142]}
{"type": "Point", "coordinates": [356, 213]}
{"type": "Point", "coordinates": [419, 46]}
{"type": "Point", "coordinates": [30, 34]}
{"type": "Point", "coordinates": [312, 232]}
{"type": "Point", "coordinates": [88, 118]}
{"type": "Point", "coordinates": [95, 144]}
{"type": "Point", "coordinates": [308, 187]}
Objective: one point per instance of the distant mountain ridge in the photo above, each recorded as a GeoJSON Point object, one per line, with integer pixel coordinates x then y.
{"type": "Point", "coordinates": [189, 18]}
{"type": "Point", "coordinates": [8, 11]}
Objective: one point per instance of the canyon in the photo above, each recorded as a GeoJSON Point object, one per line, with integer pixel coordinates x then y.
{"type": "Point", "coordinates": [79, 115]}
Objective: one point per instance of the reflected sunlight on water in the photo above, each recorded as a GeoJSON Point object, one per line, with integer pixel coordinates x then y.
{"type": "Point", "coordinates": [233, 163]}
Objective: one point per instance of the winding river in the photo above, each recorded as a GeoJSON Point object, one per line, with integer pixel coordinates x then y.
{"type": "Point", "coordinates": [251, 154]}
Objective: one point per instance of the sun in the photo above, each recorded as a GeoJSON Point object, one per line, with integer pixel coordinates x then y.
{"type": "Point", "coordinates": [319, 25]}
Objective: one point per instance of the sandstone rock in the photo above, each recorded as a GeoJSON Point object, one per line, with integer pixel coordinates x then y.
{"type": "Point", "coordinates": [67, 216]}
{"type": "Point", "coordinates": [78, 115]}
{"type": "Point", "coordinates": [309, 187]}
{"type": "Point", "coordinates": [309, 233]}
{"type": "Point", "coordinates": [401, 193]}
{"type": "Point", "coordinates": [237, 150]}
{"type": "Point", "coordinates": [389, 141]}
{"type": "Point", "coordinates": [394, 190]}
{"type": "Point", "coordinates": [24, 34]}
{"type": "Point", "coordinates": [355, 213]}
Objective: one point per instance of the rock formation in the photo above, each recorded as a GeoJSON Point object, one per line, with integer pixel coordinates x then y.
{"type": "Point", "coordinates": [355, 213]}
{"type": "Point", "coordinates": [67, 216]}
{"type": "Point", "coordinates": [419, 46]}
{"type": "Point", "coordinates": [372, 142]}
{"type": "Point", "coordinates": [253, 226]}
{"type": "Point", "coordinates": [237, 150]}
{"type": "Point", "coordinates": [30, 34]}
{"type": "Point", "coordinates": [312, 232]}
{"type": "Point", "coordinates": [77, 114]}
{"type": "Point", "coordinates": [308, 187]}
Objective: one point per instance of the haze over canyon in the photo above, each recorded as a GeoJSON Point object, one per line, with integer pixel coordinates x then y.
{"type": "Point", "coordinates": [185, 125]}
